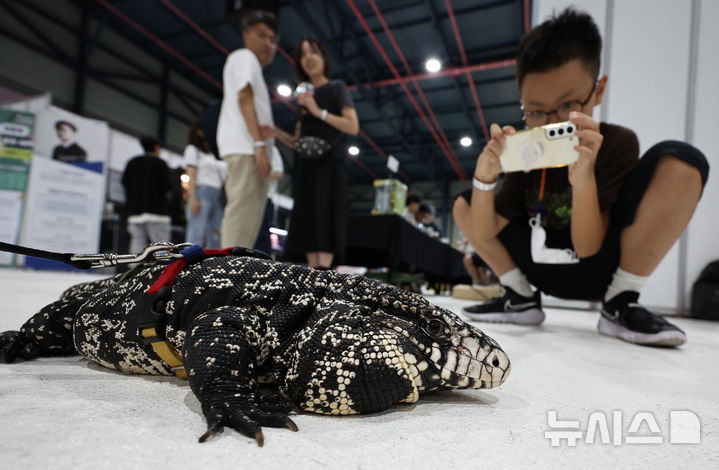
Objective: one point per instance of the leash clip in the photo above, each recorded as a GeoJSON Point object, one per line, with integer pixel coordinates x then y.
{"type": "Point", "coordinates": [159, 251]}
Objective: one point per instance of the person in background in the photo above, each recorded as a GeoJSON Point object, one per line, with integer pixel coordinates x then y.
{"type": "Point", "coordinates": [263, 242]}
{"type": "Point", "coordinates": [147, 190]}
{"type": "Point", "coordinates": [245, 107]}
{"type": "Point", "coordinates": [204, 206]}
{"type": "Point", "coordinates": [319, 219]}
{"type": "Point", "coordinates": [425, 220]}
{"type": "Point", "coordinates": [611, 216]}
{"type": "Point", "coordinates": [412, 203]}
{"type": "Point", "coordinates": [427, 213]}
{"type": "Point", "coordinates": [68, 150]}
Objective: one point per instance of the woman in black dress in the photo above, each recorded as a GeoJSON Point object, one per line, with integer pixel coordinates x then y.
{"type": "Point", "coordinates": [319, 218]}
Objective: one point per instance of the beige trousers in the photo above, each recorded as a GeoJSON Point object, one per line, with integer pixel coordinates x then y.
{"type": "Point", "coordinates": [246, 199]}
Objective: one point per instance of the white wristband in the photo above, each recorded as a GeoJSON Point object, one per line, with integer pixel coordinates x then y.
{"type": "Point", "coordinates": [483, 186]}
{"type": "Point", "coordinates": [259, 143]}
{"type": "Point", "coordinates": [323, 116]}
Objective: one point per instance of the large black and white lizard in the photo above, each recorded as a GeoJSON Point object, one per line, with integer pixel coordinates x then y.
{"type": "Point", "coordinates": [333, 344]}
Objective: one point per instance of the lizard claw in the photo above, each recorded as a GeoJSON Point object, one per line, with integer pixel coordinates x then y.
{"type": "Point", "coordinates": [243, 413]}
{"type": "Point", "coordinates": [211, 432]}
{"type": "Point", "coordinates": [289, 424]}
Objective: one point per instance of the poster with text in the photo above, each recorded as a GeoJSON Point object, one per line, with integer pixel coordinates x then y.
{"type": "Point", "coordinates": [66, 190]}
{"type": "Point", "coordinates": [17, 129]}
{"type": "Point", "coordinates": [63, 211]}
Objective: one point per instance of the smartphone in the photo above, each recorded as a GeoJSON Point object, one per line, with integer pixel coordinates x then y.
{"type": "Point", "coordinates": [548, 146]}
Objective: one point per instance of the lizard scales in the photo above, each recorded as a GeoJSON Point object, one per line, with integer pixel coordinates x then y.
{"type": "Point", "coordinates": [333, 344]}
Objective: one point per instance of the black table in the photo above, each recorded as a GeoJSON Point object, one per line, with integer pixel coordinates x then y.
{"type": "Point", "coordinates": [391, 241]}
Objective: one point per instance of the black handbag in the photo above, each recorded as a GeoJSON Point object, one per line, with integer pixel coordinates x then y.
{"type": "Point", "coordinates": [311, 148]}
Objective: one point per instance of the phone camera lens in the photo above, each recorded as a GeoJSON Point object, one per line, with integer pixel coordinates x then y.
{"type": "Point", "coordinates": [551, 133]}
{"type": "Point", "coordinates": [570, 129]}
{"type": "Point", "coordinates": [560, 131]}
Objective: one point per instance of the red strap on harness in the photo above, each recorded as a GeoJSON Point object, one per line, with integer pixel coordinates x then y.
{"type": "Point", "coordinates": [167, 278]}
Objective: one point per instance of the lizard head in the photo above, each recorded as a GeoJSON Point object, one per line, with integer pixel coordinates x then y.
{"type": "Point", "coordinates": [440, 350]}
{"type": "Point", "coordinates": [384, 346]}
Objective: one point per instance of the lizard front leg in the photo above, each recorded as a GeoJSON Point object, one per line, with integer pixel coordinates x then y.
{"type": "Point", "coordinates": [49, 332]}
{"type": "Point", "coordinates": [223, 350]}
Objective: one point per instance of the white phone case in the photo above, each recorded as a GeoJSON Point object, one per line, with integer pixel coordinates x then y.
{"type": "Point", "coordinates": [548, 146]}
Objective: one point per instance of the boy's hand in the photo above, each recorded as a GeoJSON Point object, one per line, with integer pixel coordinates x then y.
{"type": "Point", "coordinates": [581, 173]}
{"type": "Point", "coordinates": [488, 166]}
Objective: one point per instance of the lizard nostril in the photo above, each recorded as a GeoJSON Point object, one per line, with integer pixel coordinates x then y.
{"type": "Point", "coordinates": [495, 362]}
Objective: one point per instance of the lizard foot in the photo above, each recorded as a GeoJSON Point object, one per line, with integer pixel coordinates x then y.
{"type": "Point", "coordinates": [245, 413]}
{"type": "Point", "coordinates": [14, 344]}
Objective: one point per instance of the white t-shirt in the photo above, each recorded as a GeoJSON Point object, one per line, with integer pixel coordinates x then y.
{"type": "Point", "coordinates": [210, 171]}
{"type": "Point", "coordinates": [241, 68]}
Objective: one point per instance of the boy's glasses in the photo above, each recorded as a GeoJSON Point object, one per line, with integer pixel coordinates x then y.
{"type": "Point", "coordinates": [540, 118]}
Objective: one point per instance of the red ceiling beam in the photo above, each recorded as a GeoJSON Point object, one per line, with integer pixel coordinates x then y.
{"type": "Point", "coordinates": [374, 145]}
{"type": "Point", "coordinates": [417, 87]}
{"type": "Point", "coordinates": [159, 42]}
{"type": "Point", "coordinates": [458, 169]}
{"type": "Point", "coordinates": [527, 17]}
{"type": "Point", "coordinates": [194, 26]}
{"type": "Point", "coordinates": [226, 52]}
{"type": "Point", "coordinates": [470, 80]}
{"type": "Point", "coordinates": [284, 54]}
{"type": "Point", "coordinates": [359, 163]}
{"type": "Point", "coordinates": [448, 72]}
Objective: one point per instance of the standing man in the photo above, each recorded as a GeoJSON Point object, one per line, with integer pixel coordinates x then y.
{"type": "Point", "coordinates": [245, 106]}
{"type": "Point", "coordinates": [147, 189]}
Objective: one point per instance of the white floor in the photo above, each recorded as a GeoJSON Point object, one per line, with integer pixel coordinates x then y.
{"type": "Point", "coordinates": [69, 413]}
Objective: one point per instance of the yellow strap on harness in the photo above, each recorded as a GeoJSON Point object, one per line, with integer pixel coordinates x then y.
{"type": "Point", "coordinates": [166, 351]}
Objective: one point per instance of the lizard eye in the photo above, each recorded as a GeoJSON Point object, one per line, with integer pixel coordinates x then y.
{"type": "Point", "coordinates": [435, 327]}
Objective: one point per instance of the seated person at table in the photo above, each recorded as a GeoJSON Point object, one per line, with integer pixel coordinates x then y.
{"type": "Point", "coordinates": [425, 220]}
{"type": "Point", "coordinates": [617, 214]}
{"type": "Point", "coordinates": [412, 208]}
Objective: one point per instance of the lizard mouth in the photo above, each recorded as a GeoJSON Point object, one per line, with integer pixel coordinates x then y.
{"type": "Point", "coordinates": [470, 365]}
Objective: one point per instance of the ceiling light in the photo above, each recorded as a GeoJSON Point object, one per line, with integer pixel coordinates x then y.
{"type": "Point", "coordinates": [433, 65]}
{"type": "Point", "coordinates": [353, 150]}
{"type": "Point", "coordinates": [465, 141]}
{"type": "Point", "coordinates": [284, 90]}
{"type": "Point", "coordinates": [185, 178]}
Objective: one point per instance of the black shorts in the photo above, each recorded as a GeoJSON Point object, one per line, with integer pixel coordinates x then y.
{"type": "Point", "coordinates": [588, 279]}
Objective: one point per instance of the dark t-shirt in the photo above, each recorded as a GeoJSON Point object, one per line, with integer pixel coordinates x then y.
{"type": "Point", "coordinates": [332, 96]}
{"type": "Point", "coordinates": [147, 185]}
{"type": "Point", "coordinates": [519, 193]}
